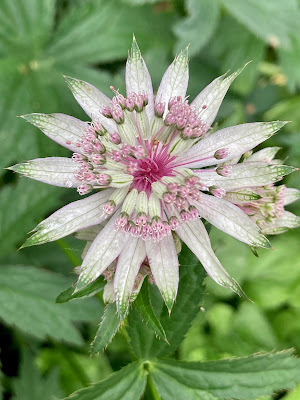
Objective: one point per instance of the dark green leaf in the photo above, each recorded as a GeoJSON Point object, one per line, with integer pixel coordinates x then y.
{"type": "Point", "coordinates": [107, 27]}
{"type": "Point", "coordinates": [289, 61]}
{"type": "Point", "coordinates": [30, 385]}
{"type": "Point", "coordinates": [108, 327]}
{"type": "Point", "coordinates": [144, 307]}
{"type": "Point", "coordinates": [240, 378]}
{"type": "Point", "coordinates": [30, 202]}
{"type": "Point", "coordinates": [190, 31]}
{"type": "Point", "coordinates": [190, 292]}
{"type": "Point", "coordinates": [27, 297]}
{"type": "Point", "coordinates": [126, 384]}
{"type": "Point", "coordinates": [93, 288]}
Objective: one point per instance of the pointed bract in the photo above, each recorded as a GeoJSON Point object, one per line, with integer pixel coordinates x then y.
{"type": "Point", "coordinates": [291, 195]}
{"type": "Point", "coordinates": [104, 250]}
{"type": "Point", "coordinates": [71, 218]}
{"type": "Point", "coordinates": [163, 262]}
{"type": "Point", "coordinates": [208, 102]}
{"type": "Point", "coordinates": [91, 100]}
{"type": "Point", "coordinates": [237, 140]}
{"type": "Point", "coordinates": [194, 235]}
{"type": "Point", "coordinates": [138, 79]}
{"type": "Point", "coordinates": [61, 128]}
{"type": "Point", "coordinates": [128, 266]}
{"type": "Point", "coordinates": [175, 80]}
{"type": "Point", "coordinates": [247, 175]}
{"type": "Point", "coordinates": [231, 219]}
{"type": "Point", "coordinates": [56, 171]}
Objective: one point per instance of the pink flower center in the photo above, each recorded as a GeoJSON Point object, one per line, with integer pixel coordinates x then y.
{"type": "Point", "coordinates": [152, 169]}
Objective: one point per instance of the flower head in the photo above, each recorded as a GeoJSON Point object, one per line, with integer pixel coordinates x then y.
{"type": "Point", "coordinates": [155, 170]}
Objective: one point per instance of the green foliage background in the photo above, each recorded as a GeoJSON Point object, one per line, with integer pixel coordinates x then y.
{"type": "Point", "coordinates": [45, 345]}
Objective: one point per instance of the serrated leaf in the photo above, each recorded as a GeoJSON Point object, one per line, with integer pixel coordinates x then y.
{"type": "Point", "coordinates": [107, 27]}
{"type": "Point", "coordinates": [25, 26]}
{"type": "Point", "coordinates": [240, 378]}
{"type": "Point", "coordinates": [191, 31]}
{"type": "Point", "coordinates": [190, 292]}
{"type": "Point", "coordinates": [108, 327]}
{"type": "Point", "coordinates": [27, 297]}
{"type": "Point", "coordinates": [90, 290]}
{"type": "Point", "coordinates": [269, 20]}
{"type": "Point", "coordinates": [144, 307]}
{"type": "Point", "coordinates": [127, 384]}
{"type": "Point", "coordinates": [30, 385]}
{"type": "Point", "coordinates": [29, 202]}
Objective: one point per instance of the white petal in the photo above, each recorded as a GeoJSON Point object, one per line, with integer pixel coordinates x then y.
{"type": "Point", "coordinates": [92, 101]}
{"type": "Point", "coordinates": [104, 250]}
{"type": "Point", "coordinates": [209, 100]}
{"type": "Point", "coordinates": [230, 219]}
{"type": "Point", "coordinates": [61, 128]}
{"type": "Point", "coordinates": [194, 234]}
{"type": "Point", "coordinates": [57, 171]}
{"type": "Point", "coordinates": [175, 80]}
{"type": "Point", "coordinates": [291, 195]}
{"type": "Point", "coordinates": [128, 266]}
{"type": "Point", "coordinates": [236, 139]}
{"type": "Point", "coordinates": [163, 262]}
{"type": "Point", "coordinates": [287, 221]}
{"type": "Point", "coordinates": [138, 79]}
{"type": "Point", "coordinates": [71, 218]}
{"type": "Point", "coordinates": [266, 155]}
{"type": "Point", "coordinates": [246, 175]}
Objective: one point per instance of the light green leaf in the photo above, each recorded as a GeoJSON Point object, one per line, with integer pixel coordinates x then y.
{"type": "Point", "coordinates": [269, 20]}
{"type": "Point", "coordinates": [240, 378]}
{"type": "Point", "coordinates": [126, 384]}
{"type": "Point", "coordinates": [190, 292]}
{"type": "Point", "coordinates": [30, 385]}
{"type": "Point", "coordinates": [108, 327]}
{"type": "Point", "coordinates": [27, 297]}
{"type": "Point", "coordinates": [143, 305]}
{"type": "Point", "coordinates": [88, 291]}
{"type": "Point", "coordinates": [199, 25]}
{"type": "Point", "coordinates": [25, 26]}
{"type": "Point", "coordinates": [289, 61]}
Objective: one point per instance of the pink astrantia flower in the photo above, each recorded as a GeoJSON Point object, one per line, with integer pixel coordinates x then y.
{"type": "Point", "coordinates": [156, 170]}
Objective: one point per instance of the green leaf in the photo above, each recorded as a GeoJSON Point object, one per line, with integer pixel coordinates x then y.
{"type": "Point", "coordinates": [30, 385]}
{"type": "Point", "coordinates": [144, 307]}
{"type": "Point", "coordinates": [127, 384]}
{"type": "Point", "coordinates": [191, 31]}
{"type": "Point", "coordinates": [25, 26]}
{"type": "Point", "coordinates": [93, 288]}
{"type": "Point", "coordinates": [240, 378]}
{"type": "Point", "coordinates": [272, 21]}
{"type": "Point", "coordinates": [190, 292]}
{"type": "Point", "coordinates": [237, 47]}
{"type": "Point", "coordinates": [30, 202]}
{"type": "Point", "coordinates": [77, 370]}
{"type": "Point", "coordinates": [27, 295]}
{"type": "Point", "coordinates": [289, 61]}
{"type": "Point", "coordinates": [107, 27]}
{"type": "Point", "coordinates": [108, 327]}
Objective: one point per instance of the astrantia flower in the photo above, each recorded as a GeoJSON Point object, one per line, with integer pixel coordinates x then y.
{"type": "Point", "coordinates": [155, 169]}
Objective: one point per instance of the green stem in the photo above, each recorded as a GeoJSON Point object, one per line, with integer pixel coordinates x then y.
{"type": "Point", "coordinates": [151, 391]}
{"type": "Point", "coordinates": [70, 254]}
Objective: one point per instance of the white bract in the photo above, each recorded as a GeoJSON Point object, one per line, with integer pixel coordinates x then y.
{"type": "Point", "coordinates": [156, 169]}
